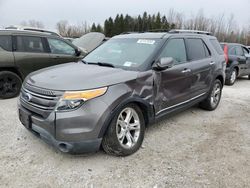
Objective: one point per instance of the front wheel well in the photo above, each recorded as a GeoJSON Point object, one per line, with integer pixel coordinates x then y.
{"type": "Point", "coordinates": [14, 70]}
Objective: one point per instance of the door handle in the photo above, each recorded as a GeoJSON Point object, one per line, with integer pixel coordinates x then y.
{"type": "Point", "coordinates": [186, 70]}
{"type": "Point", "coordinates": [212, 63]}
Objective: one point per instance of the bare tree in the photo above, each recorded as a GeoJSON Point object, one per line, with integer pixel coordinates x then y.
{"type": "Point", "coordinates": [67, 30]}
{"type": "Point", "coordinates": [33, 23]}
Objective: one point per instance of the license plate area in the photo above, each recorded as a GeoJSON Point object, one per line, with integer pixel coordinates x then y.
{"type": "Point", "coordinates": [24, 117]}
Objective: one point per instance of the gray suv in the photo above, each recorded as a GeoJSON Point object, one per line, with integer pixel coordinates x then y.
{"type": "Point", "coordinates": [23, 52]}
{"type": "Point", "coordinates": [120, 88]}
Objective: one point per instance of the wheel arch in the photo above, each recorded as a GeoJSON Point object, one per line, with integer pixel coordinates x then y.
{"type": "Point", "coordinates": [146, 108]}
{"type": "Point", "coordinates": [14, 70]}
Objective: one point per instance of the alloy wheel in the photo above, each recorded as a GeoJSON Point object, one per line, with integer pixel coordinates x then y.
{"type": "Point", "coordinates": [128, 128]}
{"type": "Point", "coordinates": [216, 94]}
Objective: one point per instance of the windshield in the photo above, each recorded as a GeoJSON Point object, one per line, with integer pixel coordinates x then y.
{"type": "Point", "coordinates": [124, 53]}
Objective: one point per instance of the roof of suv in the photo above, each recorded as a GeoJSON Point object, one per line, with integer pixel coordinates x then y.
{"type": "Point", "coordinates": [160, 35]}
{"type": "Point", "coordinates": [15, 31]}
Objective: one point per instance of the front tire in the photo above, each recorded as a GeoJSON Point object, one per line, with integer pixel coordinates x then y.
{"type": "Point", "coordinates": [232, 78]}
{"type": "Point", "coordinates": [10, 85]}
{"type": "Point", "coordinates": [126, 132]}
{"type": "Point", "coordinates": [213, 99]}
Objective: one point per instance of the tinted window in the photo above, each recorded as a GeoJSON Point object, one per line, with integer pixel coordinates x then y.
{"type": "Point", "coordinates": [239, 51]}
{"type": "Point", "coordinates": [175, 48]}
{"type": "Point", "coordinates": [5, 42]}
{"type": "Point", "coordinates": [218, 48]}
{"type": "Point", "coordinates": [196, 49]}
{"type": "Point", "coordinates": [60, 47]}
{"type": "Point", "coordinates": [232, 51]}
{"type": "Point", "coordinates": [29, 44]}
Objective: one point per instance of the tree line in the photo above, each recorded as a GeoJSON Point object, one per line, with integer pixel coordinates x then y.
{"type": "Point", "coordinates": [225, 28]}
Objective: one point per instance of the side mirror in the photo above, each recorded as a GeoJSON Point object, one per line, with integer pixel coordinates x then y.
{"type": "Point", "coordinates": [163, 63]}
{"type": "Point", "coordinates": [78, 52]}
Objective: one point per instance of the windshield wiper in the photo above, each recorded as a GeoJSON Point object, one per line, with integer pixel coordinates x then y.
{"type": "Point", "coordinates": [103, 64]}
{"type": "Point", "coordinates": [84, 61]}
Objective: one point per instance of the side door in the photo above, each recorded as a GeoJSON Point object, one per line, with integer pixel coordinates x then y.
{"type": "Point", "coordinates": [6, 54]}
{"type": "Point", "coordinates": [173, 85]}
{"type": "Point", "coordinates": [241, 59]}
{"type": "Point", "coordinates": [201, 64]}
{"type": "Point", "coordinates": [30, 53]}
{"type": "Point", "coordinates": [247, 55]}
{"type": "Point", "coordinates": [61, 52]}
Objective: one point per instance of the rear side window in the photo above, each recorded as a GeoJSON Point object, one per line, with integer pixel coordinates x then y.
{"type": "Point", "coordinates": [5, 42]}
{"type": "Point", "coordinates": [175, 48]}
{"type": "Point", "coordinates": [218, 48]}
{"type": "Point", "coordinates": [30, 44]}
{"type": "Point", "coordinates": [239, 51]}
{"type": "Point", "coordinates": [196, 49]}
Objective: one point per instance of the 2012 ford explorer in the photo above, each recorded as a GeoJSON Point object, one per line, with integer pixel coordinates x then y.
{"type": "Point", "coordinates": [121, 87]}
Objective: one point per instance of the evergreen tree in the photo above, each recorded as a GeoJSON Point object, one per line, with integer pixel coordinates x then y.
{"type": "Point", "coordinates": [93, 28]}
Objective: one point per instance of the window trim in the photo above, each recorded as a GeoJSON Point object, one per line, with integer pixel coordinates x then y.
{"type": "Point", "coordinates": [210, 54]}
{"type": "Point", "coordinates": [15, 44]}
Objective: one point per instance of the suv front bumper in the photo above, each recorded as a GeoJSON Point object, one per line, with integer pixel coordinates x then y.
{"type": "Point", "coordinates": [71, 132]}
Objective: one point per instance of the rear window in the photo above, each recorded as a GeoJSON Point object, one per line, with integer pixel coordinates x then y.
{"type": "Point", "coordinates": [196, 49]}
{"type": "Point", "coordinates": [217, 46]}
{"type": "Point", "coordinates": [29, 44]}
{"type": "Point", "coordinates": [5, 42]}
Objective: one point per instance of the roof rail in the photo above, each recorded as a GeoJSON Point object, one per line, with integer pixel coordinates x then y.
{"type": "Point", "coordinates": [158, 30]}
{"type": "Point", "coordinates": [190, 31]}
{"type": "Point", "coordinates": [32, 29]}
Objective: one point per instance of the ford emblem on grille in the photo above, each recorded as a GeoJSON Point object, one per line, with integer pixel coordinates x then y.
{"type": "Point", "coordinates": [27, 97]}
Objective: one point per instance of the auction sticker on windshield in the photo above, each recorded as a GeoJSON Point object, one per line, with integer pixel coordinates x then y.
{"type": "Point", "coordinates": [145, 41]}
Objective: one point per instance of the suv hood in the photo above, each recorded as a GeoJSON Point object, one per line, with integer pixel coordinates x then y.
{"type": "Point", "coordinates": [89, 41]}
{"type": "Point", "coordinates": [78, 76]}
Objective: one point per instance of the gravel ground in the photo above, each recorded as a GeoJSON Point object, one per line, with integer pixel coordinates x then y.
{"type": "Point", "coordinates": [194, 148]}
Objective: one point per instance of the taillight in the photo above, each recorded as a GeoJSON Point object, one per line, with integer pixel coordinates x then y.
{"type": "Point", "coordinates": [226, 53]}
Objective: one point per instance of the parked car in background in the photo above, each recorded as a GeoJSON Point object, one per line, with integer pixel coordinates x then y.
{"type": "Point", "coordinates": [238, 61]}
{"type": "Point", "coordinates": [119, 88]}
{"type": "Point", "coordinates": [22, 52]}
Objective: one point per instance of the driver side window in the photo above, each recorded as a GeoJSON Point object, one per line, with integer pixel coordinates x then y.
{"type": "Point", "coordinates": [175, 48]}
{"type": "Point", "coordinates": [60, 47]}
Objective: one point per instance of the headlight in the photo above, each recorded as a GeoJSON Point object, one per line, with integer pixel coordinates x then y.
{"type": "Point", "coordinates": [74, 99]}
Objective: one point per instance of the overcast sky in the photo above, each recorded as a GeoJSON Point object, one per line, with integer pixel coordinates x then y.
{"type": "Point", "coordinates": [13, 12]}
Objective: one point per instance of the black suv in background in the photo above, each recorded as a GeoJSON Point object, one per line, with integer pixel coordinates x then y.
{"type": "Point", "coordinates": [23, 52]}
{"type": "Point", "coordinates": [119, 88]}
{"type": "Point", "coordinates": [238, 61]}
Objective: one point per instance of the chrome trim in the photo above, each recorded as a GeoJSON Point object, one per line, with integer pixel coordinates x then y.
{"type": "Point", "coordinates": [41, 96]}
{"type": "Point", "coordinates": [180, 103]}
{"type": "Point", "coordinates": [37, 106]}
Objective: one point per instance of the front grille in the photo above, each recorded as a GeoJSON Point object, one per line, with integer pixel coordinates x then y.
{"type": "Point", "coordinates": [39, 101]}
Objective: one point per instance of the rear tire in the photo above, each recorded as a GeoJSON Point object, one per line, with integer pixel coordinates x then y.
{"type": "Point", "coordinates": [232, 78]}
{"type": "Point", "coordinates": [213, 99]}
{"type": "Point", "coordinates": [249, 77]}
{"type": "Point", "coordinates": [125, 133]}
{"type": "Point", "coordinates": [10, 85]}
